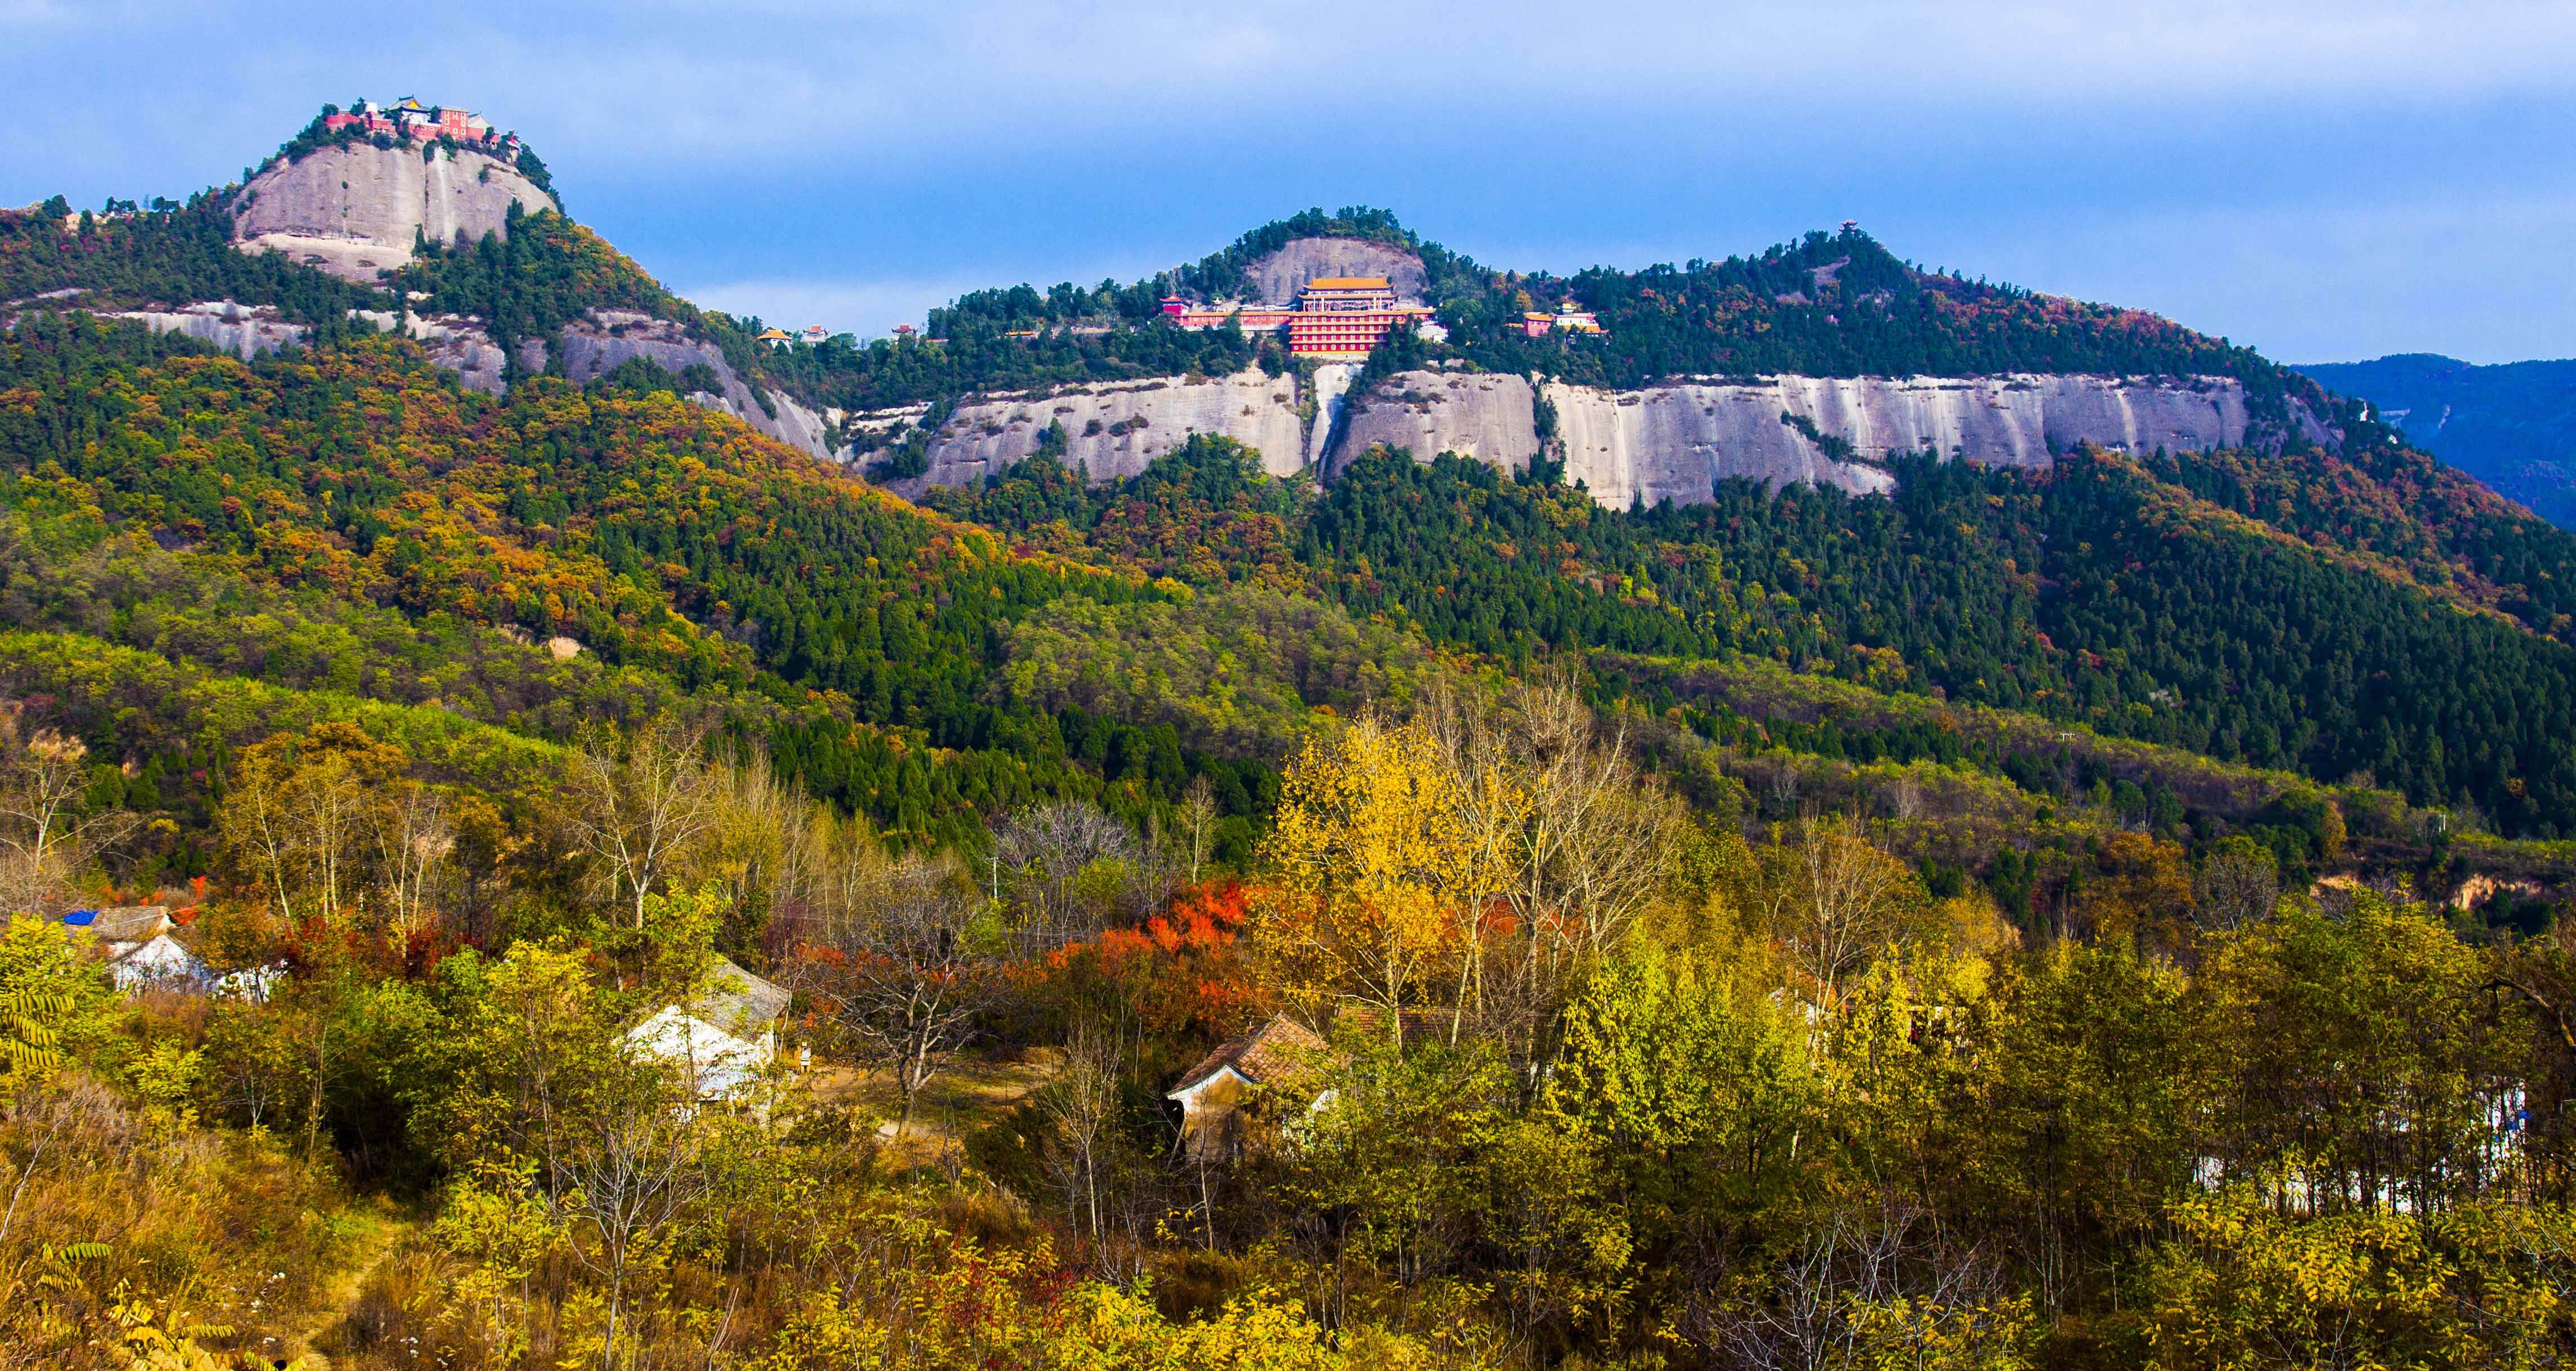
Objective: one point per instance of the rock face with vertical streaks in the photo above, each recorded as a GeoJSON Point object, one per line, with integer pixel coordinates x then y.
{"type": "Point", "coordinates": [1116, 428]}
{"type": "Point", "coordinates": [1674, 442]}
{"type": "Point", "coordinates": [356, 209]}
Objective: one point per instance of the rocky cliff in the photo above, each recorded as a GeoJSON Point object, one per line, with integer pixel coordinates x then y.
{"type": "Point", "coordinates": [236, 328]}
{"type": "Point", "coordinates": [1667, 442]}
{"type": "Point", "coordinates": [355, 209]}
{"type": "Point", "coordinates": [1675, 441]}
{"type": "Point", "coordinates": [1117, 428]}
{"type": "Point", "coordinates": [1482, 415]}
{"type": "Point", "coordinates": [604, 340]}
{"type": "Point", "coordinates": [1278, 277]}
{"type": "Point", "coordinates": [592, 347]}
{"type": "Point", "coordinates": [452, 341]}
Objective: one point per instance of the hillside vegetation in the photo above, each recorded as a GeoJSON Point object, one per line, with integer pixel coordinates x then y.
{"type": "Point", "coordinates": [2100, 916]}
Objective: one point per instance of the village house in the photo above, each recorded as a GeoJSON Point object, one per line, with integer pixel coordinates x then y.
{"type": "Point", "coordinates": [1211, 1093]}
{"type": "Point", "coordinates": [133, 923]}
{"type": "Point", "coordinates": [724, 1038]}
{"type": "Point", "coordinates": [141, 954]}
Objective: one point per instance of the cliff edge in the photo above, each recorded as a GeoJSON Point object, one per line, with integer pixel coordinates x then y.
{"type": "Point", "coordinates": [355, 210]}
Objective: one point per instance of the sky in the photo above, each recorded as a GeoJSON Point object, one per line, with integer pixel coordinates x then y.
{"type": "Point", "coordinates": [2324, 180]}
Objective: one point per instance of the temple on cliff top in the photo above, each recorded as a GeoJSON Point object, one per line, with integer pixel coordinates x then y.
{"type": "Point", "coordinates": [1335, 316]}
{"type": "Point", "coordinates": [409, 118]}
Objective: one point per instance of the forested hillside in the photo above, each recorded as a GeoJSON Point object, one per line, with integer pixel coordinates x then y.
{"type": "Point", "coordinates": [2512, 426]}
{"type": "Point", "coordinates": [643, 897]}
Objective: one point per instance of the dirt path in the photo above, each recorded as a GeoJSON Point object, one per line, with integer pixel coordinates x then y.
{"type": "Point", "coordinates": [385, 1231]}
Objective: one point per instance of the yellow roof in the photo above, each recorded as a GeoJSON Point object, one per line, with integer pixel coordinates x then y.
{"type": "Point", "coordinates": [773, 333]}
{"type": "Point", "coordinates": [1347, 283]}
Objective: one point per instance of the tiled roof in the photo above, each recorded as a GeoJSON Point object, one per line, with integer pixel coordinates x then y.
{"type": "Point", "coordinates": [131, 923]}
{"type": "Point", "coordinates": [1347, 283]}
{"type": "Point", "coordinates": [1257, 1056]}
{"type": "Point", "coordinates": [739, 1002]}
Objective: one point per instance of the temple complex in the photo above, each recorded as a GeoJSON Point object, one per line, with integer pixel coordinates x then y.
{"type": "Point", "coordinates": [1335, 316]}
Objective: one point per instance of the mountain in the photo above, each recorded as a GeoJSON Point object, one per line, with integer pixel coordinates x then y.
{"type": "Point", "coordinates": [1817, 812]}
{"type": "Point", "coordinates": [2511, 425]}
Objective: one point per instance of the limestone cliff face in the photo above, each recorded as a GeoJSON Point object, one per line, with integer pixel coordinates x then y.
{"type": "Point", "coordinates": [452, 341]}
{"type": "Point", "coordinates": [354, 210]}
{"type": "Point", "coordinates": [1116, 429]}
{"type": "Point", "coordinates": [1488, 416]}
{"type": "Point", "coordinates": [1674, 442]}
{"type": "Point", "coordinates": [241, 330]}
{"type": "Point", "coordinates": [606, 339]}
{"type": "Point", "coordinates": [1278, 277]}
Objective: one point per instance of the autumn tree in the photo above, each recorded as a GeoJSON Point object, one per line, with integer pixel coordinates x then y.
{"type": "Point", "coordinates": [303, 811]}
{"type": "Point", "coordinates": [636, 802]}
{"type": "Point", "coordinates": [1375, 867]}
{"type": "Point", "coordinates": [47, 835]}
{"type": "Point", "coordinates": [1834, 902]}
{"type": "Point", "coordinates": [1574, 840]}
{"type": "Point", "coordinates": [897, 957]}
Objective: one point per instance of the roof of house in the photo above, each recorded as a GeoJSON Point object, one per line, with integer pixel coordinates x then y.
{"type": "Point", "coordinates": [1347, 283]}
{"type": "Point", "coordinates": [739, 1002]}
{"type": "Point", "coordinates": [1257, 1056]}
{"type": "Point", "coordinates": [132, 923]}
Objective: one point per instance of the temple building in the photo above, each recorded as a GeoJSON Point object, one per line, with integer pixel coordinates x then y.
{"type": "Point", "coordinates": [409, 118]}
{"type": "Point", "coordinates": [1335, 316]}
{"type": "Point", "coordinates": [1567, 319]}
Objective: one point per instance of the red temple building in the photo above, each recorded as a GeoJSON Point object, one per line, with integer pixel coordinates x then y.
{"type": "Point", "coordinates": [1336, 316]}
{"type": "Point", "coordinates": [409, 118]}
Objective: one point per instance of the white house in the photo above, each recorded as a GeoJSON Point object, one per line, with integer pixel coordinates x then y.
{"type": "Point", "coordinates": [159, 964]}
{"type": "Point", "coordinates": [724, 1038]}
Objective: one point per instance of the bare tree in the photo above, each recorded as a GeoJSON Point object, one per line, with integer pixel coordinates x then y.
{"type": "Point", "coordinates": [1198, 823]}
{"type": "Point", "coordinates": [638, 802]}
{"type": "Point", "coordinates": [889, 953]}
{"type": "Point", "coordinates": [44, 838]}
{"type": "Point", "coordinates": [2238, 884]}
{"type": "Point", "coordinates": [1836, 902]}
{"type": "Point", "coordinates": [1081, 1106]}
{"type": "Point", "coordinates": [414, 840]}
{"type": "Point", "coordinates": [1862, 1289]}
{"type": "Point", "coordinates": [634, 1159]}
{"type": "Point", "coordinates": [1065, 867]}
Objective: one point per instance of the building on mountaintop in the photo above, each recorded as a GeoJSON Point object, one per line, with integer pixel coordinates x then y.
{"type": "Point", "coordinates": [1567, 319]}
{"type": "Point", "coordinates": [409, 118]}
{"type": "Point", "coordinates": [1212, 1093]}
{"type": "Point", "coordinates": [1336, 316]}
{"type": "Point", "coordinates": [775, 338]}
{"type": "Point", "coordinates": [813, 335]}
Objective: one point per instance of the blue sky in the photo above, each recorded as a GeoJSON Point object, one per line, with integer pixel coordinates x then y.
{"type": "Point", "coordinates": [2325, 181]}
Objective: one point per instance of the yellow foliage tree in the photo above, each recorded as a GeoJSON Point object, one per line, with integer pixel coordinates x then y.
{"type": "Point", "coordinates": [1374, 868]}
